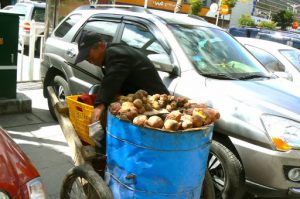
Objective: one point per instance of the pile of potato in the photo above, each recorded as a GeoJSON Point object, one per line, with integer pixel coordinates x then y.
{"type": "Point", "coordinates": [163, 111]}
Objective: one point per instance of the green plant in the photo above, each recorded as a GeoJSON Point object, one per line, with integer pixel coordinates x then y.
{"type": "Point", "coordinates": [230, 3]}
{"type": "Point", "coordinates": [284, 18]}
{"type": "Point", "coordinates": [246, 20]}
{"type": "Point", "coordinates": [271, 25]}
{"type": "Point", "coordinates": [195, 7]}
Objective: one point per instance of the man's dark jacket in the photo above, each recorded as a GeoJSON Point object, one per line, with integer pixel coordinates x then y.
{"type": "Point", "coordinates": [126, 71]}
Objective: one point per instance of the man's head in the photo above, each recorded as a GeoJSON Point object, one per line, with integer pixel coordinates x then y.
{"type": "Point", "coordinates": [91, 47]}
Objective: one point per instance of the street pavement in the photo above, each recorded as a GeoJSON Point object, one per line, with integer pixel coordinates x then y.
{"type": "Point", "coordinates": [41, 138]}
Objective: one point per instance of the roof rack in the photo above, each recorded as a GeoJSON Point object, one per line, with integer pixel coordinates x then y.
{"type": "Point", "coordinates": [125, 7]}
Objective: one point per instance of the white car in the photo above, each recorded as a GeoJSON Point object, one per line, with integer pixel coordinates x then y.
{"type": "Point", "coordinates": [280, 59]}
{"type": "Point", "coordinates": [33, 11]}
{"type": "Point", "coordinates": [8, 7]}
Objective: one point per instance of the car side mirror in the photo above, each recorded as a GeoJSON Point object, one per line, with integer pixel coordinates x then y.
{"type": "Point", "coordinates": [284, 75]}
{"type": "Point", "coordinates": [94, 89]}
{"type": "Point", "coordinates": [162, 62]}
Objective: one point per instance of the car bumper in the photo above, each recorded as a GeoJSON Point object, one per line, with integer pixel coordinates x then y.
{"type": "Point", "coordinates": [259, 190]}
{"type": "Point", "coordinates": [265, 169]}
{"type": "Point", "coordinates": [24, 38]}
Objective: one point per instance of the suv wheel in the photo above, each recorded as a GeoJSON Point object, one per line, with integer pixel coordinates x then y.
{"type": "Point", "coordinates": [226, 171]}
{"type": "Point", "coordinates": [61, 89]}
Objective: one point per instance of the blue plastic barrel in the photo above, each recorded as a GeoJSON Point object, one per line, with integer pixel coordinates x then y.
{"type": "Point", "coordinates": [144, 163]}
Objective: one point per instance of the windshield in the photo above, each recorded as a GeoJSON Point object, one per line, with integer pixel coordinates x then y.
{"type": "Point", "coordinates": [293, 56]}
{"type": "Point", "coordinates": [214, 51]}
{"type": "Point", "coordinates": [22, 9]}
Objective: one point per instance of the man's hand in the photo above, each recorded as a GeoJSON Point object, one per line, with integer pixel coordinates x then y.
{"type": "Point", "coordinates": [99, 113]}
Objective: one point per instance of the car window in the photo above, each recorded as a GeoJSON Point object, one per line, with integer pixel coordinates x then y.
{"type": "Point", "coordinates": [268, 60]}
{"type": "Point", "coordinates": [215, 52]}
{"type": "Point", "coordinates": [22, 9]}
{"type": "Point", "coordinates": [293, 56]}
{"type": "Point", "coordinates": [65, 26]}
{"type": "Point", "coordinates": [107, 29]}
{"type": "Point", "coordinates": [139, 37]}
{"type": "Point", "coordinates": [38, 14]}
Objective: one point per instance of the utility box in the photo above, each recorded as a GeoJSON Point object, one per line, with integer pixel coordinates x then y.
{"type": "Point", "coordinates": [9, 34]}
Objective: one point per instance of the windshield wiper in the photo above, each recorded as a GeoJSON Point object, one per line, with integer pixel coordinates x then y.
{"type": "Point", "coordinates": [253, 76]}
{"type": "Point", "coordinates": [219, 76]}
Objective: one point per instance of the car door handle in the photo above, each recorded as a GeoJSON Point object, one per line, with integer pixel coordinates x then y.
{"type": "Point", "coordinates": [71, 52]}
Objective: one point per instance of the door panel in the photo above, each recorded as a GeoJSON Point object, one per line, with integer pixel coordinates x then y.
{"type": "Point", "coordinates": [85, 74]}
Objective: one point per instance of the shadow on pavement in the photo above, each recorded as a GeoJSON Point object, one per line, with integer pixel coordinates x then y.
{"type": "Point", "coordinates": [51, 164]}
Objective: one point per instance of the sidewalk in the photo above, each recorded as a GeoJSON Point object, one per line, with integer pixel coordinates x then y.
{"type": "Point", "coordinates": [41, 139]}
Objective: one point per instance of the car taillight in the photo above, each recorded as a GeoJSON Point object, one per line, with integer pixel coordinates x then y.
{"type": "Point", "coordinates": [26, 26]}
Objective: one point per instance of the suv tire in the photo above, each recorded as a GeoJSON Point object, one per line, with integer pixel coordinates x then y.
{"type": "Point", "coordinates": [61, 89]}
{"type": "Point", "coordinates": [226, 171]}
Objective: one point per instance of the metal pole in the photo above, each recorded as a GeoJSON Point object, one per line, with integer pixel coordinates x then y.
{"type": "Point", "coordinates": [31, 49]}
{"type": "Point", "coordinates": [22, 58]}
{"type": "Point", "coordinates": [218, 14]}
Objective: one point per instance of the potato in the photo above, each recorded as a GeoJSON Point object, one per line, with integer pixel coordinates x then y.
{"type": "Point", "coordinates": [129, 110]}
{"type": "Point", "coordinates": [140, 120]}
{"type": "Point", "coordinates": [127, 104]}
{"type": "Point", "coordinates": [171, 98]}
{"type": "Point", "coordinates": [145, 100]}
{"type": "Point", "coordinates": [162, 103]}
{"type": "Point", "coordinates": [187, 105]}
{"type": "Point", "coordinates": [215, 115]}
{"type": "Point", "coordinates": [115, 107]}
{"type": "Point", "coordinates": [169, 108]}
{"type": "Point", "coordinates": [155, 122]}
{"type": "Point", "coordinates": [181, 101]}
{"type": "Point", "coordinates": [123, 98]}
{"type": "Point", "coordinates": [189, 111]}
{"type": "Point", "coordinates": [138, 103]}
{"type": "Point", "coordinates": [148, 107]}
{"type": "Point", "coordinates": [141, 110]}
{"type": "Point", "coordinates": [130, 97]}
{"type": "Point", "coordinates": [174, 115]}
{"type": "Point", "coordinates": [124, 117]}
{"type": "Point", "coordinates": [197, 121]}
{"type": "Point", "coordinates": [171, 125]}
{"type": "Point", "coordinates": [173, 105]}
{"type": "Point", "coordinates": [156, 105]}
{"type": "Point", "coordinates": [186, 122]}
{"type": "Point", "coordinates": [140, 94]}
{"type": "Point", "coordinates": [164, 97]}
{"type": "Point", "coordinates": [155, 97]}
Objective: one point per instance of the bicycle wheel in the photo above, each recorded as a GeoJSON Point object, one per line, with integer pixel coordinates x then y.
{"type": "Point", "coordinates": [83, 182]}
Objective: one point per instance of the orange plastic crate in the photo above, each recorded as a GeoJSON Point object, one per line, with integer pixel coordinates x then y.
{"type": "Point", "coordinates": [80, 116]}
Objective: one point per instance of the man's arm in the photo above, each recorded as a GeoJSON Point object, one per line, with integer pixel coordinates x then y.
{"type": "Point", "coordinates": [99, 113]}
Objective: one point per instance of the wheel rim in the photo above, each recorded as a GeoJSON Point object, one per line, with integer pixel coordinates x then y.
{"type": "Point", "coordinates": [81, 189]}
{"type": "Point", "coordinates": [217, 173]}
{"type": "Point", "coordinates": [60, 92]}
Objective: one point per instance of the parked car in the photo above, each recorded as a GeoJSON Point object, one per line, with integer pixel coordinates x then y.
{"type": "Point", "coordinates": [283, 37]}
{"type": "Point", "coordinates": [255, 142]}
{"type": "Point", "coordinates": [8, 7]}
{"type": "Point", "coordinates": [33, 11]}
{"type": "Point", "coordinates": [18, 177]}
{"type": "Point", "coordinates": [280, 59]}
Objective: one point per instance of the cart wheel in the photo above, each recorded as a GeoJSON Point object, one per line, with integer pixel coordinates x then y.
{"type": "Point", "coordinates": [83, 182]}
{"type": "Point", "coordinates": [208, 189]}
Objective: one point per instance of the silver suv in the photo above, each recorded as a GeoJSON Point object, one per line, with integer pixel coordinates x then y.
{"type": "Point", "coordinates": [32, 10]}
{"type": "Point", "coordinates": [257, 140]}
